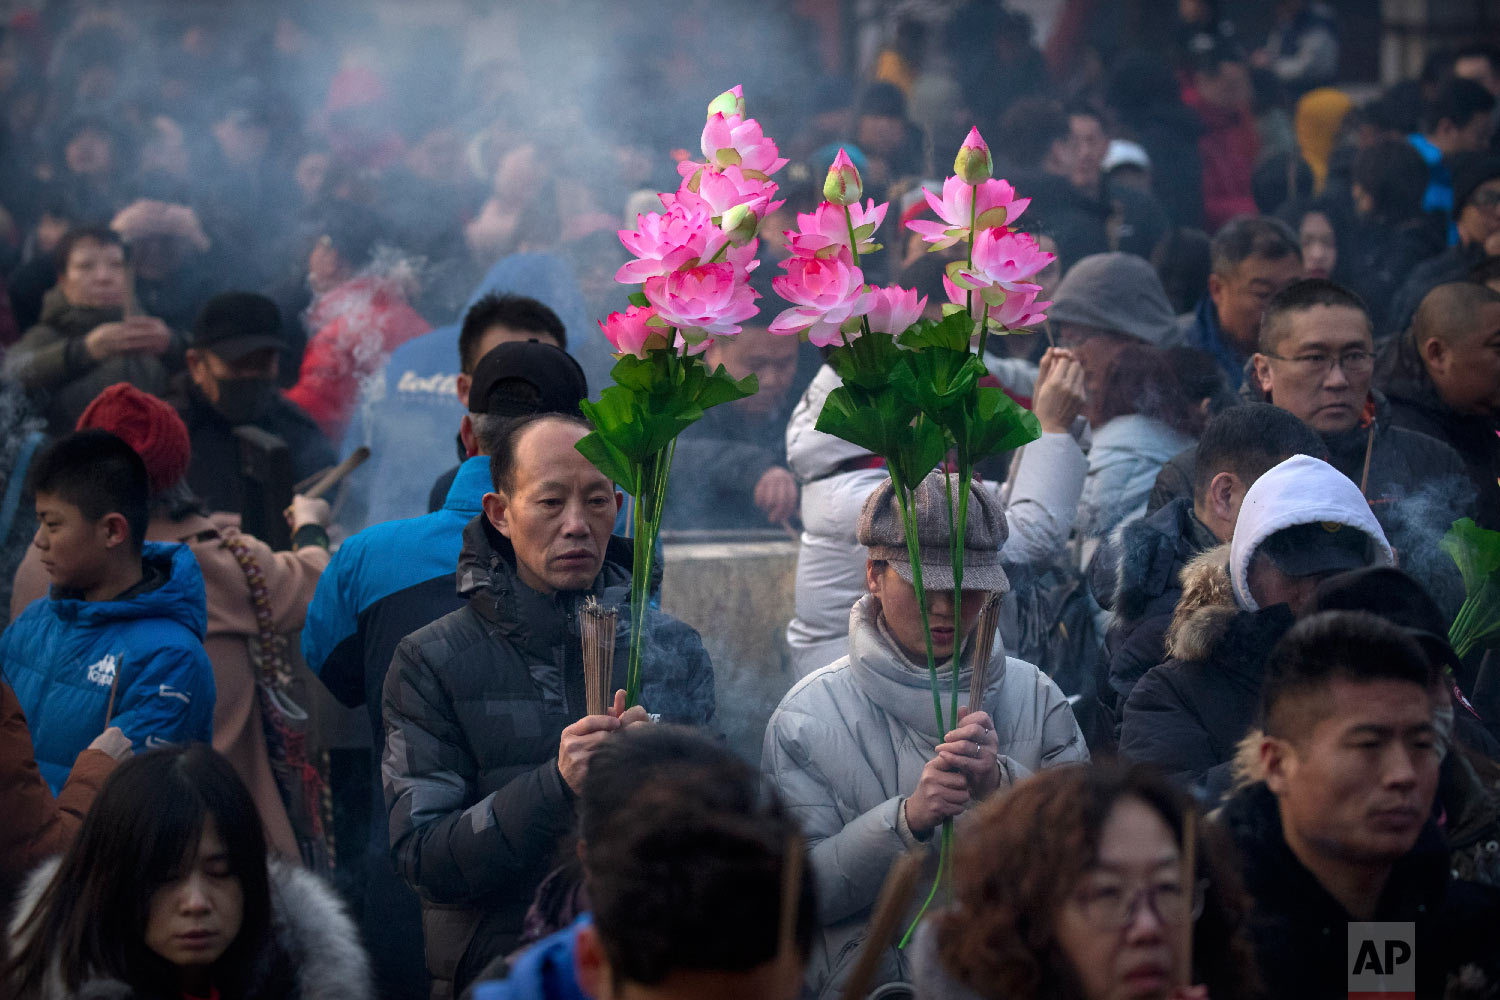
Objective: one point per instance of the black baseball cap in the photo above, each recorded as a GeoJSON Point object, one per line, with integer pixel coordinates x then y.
{"type": "Point", "coordinates": [236, 324]}
{"type": "Point", "coordinates": [1319, 548]}
{"type": "Point", "coordinates": [522, 377]}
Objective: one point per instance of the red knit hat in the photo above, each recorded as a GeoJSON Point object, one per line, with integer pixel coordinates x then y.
{"type": "Point", "coordinates": [149, 425]}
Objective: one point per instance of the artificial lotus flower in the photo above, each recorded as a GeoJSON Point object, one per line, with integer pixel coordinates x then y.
{"type": "Point", "coordinates": [997, 206]}
{"type": "Point", "coordinates": [717, 191]}
{"type": "Point", "coordinates": [893, 309]}
{"type": "Point", "coordinates": [973, 164]}
{"type": "Point", "coordinates": [705, 301]}
{"type": "Point", "coordinates": [729, 103]}
{"type": "Point", "coordinates": [1001, 259]}
{"type": "Point", "coordinates": [732, 141]}
{"type": "Point", "coordinates": [825, 231]}
{"type": "Point", "coordinates": [1013, 308]}
{"type": "Point", "coordinates": [842, 186]}
{"type": "Point", "coordinates": [664, 242]}
{"type": "Point", "coordinates": [630, 331]}
{"type": "Point", "coordinates": [825, 294]}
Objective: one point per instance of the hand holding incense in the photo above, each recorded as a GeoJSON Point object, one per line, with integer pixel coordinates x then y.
{"type": "Point", "coordinates": [597, 624]}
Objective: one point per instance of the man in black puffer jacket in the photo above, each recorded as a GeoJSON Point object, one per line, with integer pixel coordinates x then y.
{"type": "Point", "coordinates": [487, 740]}
{"type": "Point", "coordinates": [1236, 447]}
{"type": "Point", "coordinates": [1341, 827]}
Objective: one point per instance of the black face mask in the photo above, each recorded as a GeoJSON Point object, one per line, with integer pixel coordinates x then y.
{"type": "Point", "coordinates": [241, 400]}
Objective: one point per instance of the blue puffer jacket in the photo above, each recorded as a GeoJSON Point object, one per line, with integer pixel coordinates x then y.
{"type": "Point", "coordinates": [62, 656]}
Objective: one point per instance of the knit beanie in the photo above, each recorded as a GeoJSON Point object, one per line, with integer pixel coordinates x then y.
{"type": "Point", "coordinates": [149, 425]}
{"type": "Point", "coordinates": [1119, 292]}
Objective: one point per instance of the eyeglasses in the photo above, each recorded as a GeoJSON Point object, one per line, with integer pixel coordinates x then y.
{"type": "Point", "coordinates": [1485, 200]}
{"type": "Point", "coordinates": [1112, 908]}
{"type": "Point", "coordinates": [1352, 362]}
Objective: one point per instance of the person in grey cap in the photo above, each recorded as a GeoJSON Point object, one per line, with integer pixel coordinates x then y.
{"type": "Point", "coordinates": [854, 747]}
{"type": "Point", "coordinates": [1106, 303]}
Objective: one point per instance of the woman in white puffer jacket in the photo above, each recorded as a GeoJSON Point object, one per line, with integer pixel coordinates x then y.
{"type": "Point", "coordinates": [855, 749]}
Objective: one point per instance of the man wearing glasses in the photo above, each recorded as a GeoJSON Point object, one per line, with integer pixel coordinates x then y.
{"type": "Point", "coordinates": [1315, 361]}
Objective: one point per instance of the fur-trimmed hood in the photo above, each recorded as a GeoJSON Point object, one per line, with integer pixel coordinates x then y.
{"type": "Point", "coordinates": [1205, 609]}
{"type": "Point", "coordinates": [309, 926]}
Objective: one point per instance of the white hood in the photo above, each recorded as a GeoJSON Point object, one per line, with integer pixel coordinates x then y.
{"type": "Point", "coordinates": [1301, 490]}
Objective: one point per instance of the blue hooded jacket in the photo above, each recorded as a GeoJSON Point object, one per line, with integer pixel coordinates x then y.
{"type": "Point", "coordinates": [409, 416]}
{"type": "Point", "coordinates": [64, 655]}
{"type": "Point", "coordinates": [546, 971]}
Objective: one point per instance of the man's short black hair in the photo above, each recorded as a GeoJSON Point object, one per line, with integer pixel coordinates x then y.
{"type": "Point", "coordinates": [517, 312]}
{"type": "Point", "coordinates": [691, 872]}
{"type": "Point", "coordinates": [102, 235]}
{"type": "Point", "coordinates": [1252, 236]}
{"type": "Point", "coordinates": [1031, 126]}
{"type": "Point", "coordinates": [503, 458]}
{"type": "Point", "coordinates": [1300, 296]}
{"type": "Point", "coordinates": [1457, 101]}
{"type": "Point", "coordinates": [99, 474]}
{"type": "Point", "coordinates": [1348, 645]}
{"type": "Point", "coordinates": [1248, 440]}
{"type": "Point", "coordinates": [1395, 177]}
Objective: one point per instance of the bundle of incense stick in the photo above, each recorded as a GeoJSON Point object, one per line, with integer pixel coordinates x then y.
{"type": "Point", "coordinates": [895, 897]}
{"type": "Point", "coordinates": [980, 650]}
{"type": "Point", "coordinates": [598, 627]}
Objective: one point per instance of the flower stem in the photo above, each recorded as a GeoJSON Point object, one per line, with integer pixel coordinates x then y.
{"type": "Point", "coordinates": [913, 550]}
{"type": "Point", "coordinates": [853, 240]}
{"type": "Point", "coordinates": [969, 295]}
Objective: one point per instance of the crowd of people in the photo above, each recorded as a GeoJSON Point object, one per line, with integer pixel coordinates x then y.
{"type": "Point", "coordinates": [1221, 722]}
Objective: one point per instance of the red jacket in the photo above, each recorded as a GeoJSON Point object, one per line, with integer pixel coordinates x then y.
{"type": "Point", "coordinates": [36, 825]}
{"type": "Point", "coordinates": [358, 325]}
{"type": "Point", "coordinates": [1228, 147]}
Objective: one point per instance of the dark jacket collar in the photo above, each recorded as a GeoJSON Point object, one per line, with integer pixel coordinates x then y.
{"type": "Point", "coordinates": [487, 576]}
{"type": "Point", "coordinates": [74, 320]}
{"type": "Point", "coordinates": [1153, 552]}
{"type": "Point", "coordinates": [1283, 887]}
{"type": "Point", "coordinates": [1208, 336]}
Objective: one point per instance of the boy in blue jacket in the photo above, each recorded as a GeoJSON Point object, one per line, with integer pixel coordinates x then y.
{"type": "Point", "coordinates": [119, 642]}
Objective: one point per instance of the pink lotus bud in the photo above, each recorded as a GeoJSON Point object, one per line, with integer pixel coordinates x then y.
{"type": "Point", "coordinates": [973, 163]}
{"type": "Point", "coordinates": [729, 103]}
{"type": "Point", "coordinates": [843, 186]}
{"type": "Point", "coordinates": [740, 224]}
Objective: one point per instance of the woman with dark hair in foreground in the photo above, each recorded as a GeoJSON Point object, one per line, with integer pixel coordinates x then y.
{"type": "Point", "coordinates": [167, 893]}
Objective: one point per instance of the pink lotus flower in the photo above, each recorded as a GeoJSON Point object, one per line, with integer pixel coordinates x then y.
{"type": "Point", "coordinates": [825, 231]}
{"type": "Point", "coordinates": [825, 294]}
{"type": "Point", "coordinates": [997, 206]}
{"type": "Point", "coordinates": [1001, 259]}
{"type": "Point", "coordinates": [706, 189]}
{"type": "Point", "coordinates": [706, 301]}
{"type": "Point", "coordinates": [732, 141]}
{"type": "Point", "coordinates": [1013, 308]}
{"type": "Point", "coordinates": [842, 186]}
{"type": "Point", "coordinates": [973, 163]}
{"type": "Point", "coordinates": [630, 330]}
{"type": "Point", "coordinates": [679, 237]}
{"type": "Point", "coordinates": [894, 309]}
